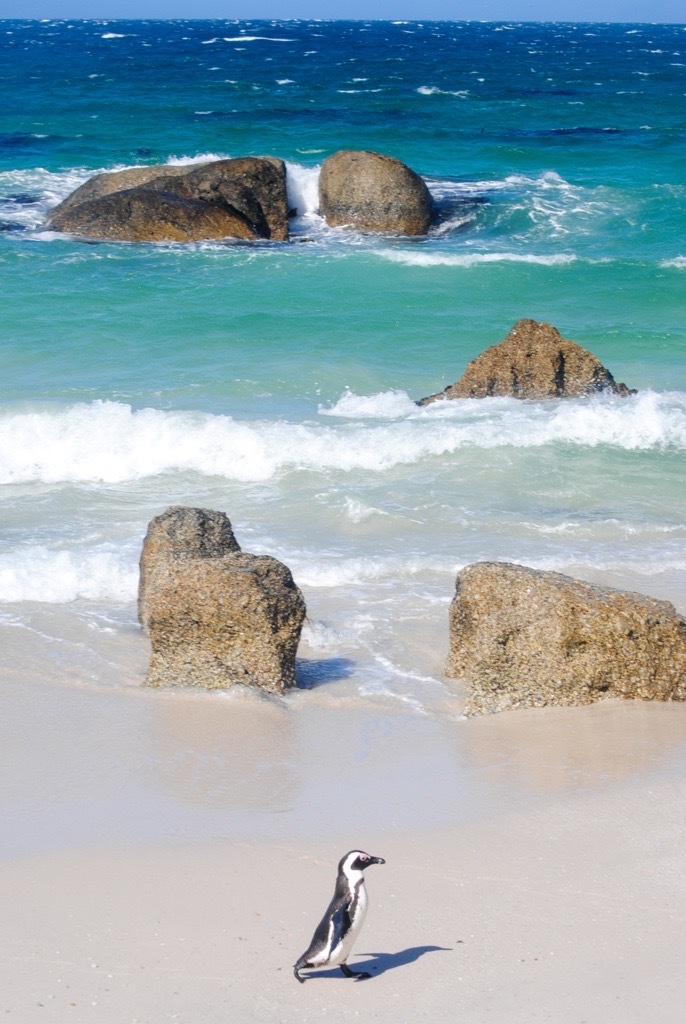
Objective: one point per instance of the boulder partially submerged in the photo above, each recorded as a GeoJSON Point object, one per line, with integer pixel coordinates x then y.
{"type": "Point", "coordinates": [116, 181]}
{"type": "Point", "coordinates": [520, 637]}
{"type": "Point", "coordinates": [373, 192]}
{"type": "Point", "coordinates": [243, 198]}
{"type": "Point", "coordinates": [534, 361]}
{"type": "Point", "coordinates": [216, 615]}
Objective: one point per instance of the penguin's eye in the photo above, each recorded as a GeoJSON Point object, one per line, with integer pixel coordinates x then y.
{"type": "Point", "coordinates": [364, 856]}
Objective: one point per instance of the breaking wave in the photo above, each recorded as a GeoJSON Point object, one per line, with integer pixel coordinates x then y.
{"type": "Point", "coordinates": [106, 441]}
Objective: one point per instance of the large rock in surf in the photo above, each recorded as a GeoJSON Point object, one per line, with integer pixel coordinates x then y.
{"type": "Point", "coordinates": [244, 198]}
{"type": "Point", "coordinates": [373, 192]}
{"type": "Point", "coordinates": [215, 615]}
{"type": "Point", "coordinates": [181, 533]}
{"type": "Point", "coordinates": [520, 637]}
{"type": "Point", "coordinates": [534, 361]}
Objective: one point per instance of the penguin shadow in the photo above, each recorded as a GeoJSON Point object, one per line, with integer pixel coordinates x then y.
{"type": "Point", "coordinates": [313, 672]}
{"type": "Point", "coordinates": [376, 964]}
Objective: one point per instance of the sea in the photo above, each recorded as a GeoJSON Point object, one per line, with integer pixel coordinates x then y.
{"type": "Point", "coordinates": [277, 382]}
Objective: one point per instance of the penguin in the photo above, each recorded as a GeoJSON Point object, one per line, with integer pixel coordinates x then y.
{"type": "Point", "coordinates": [344, 917]}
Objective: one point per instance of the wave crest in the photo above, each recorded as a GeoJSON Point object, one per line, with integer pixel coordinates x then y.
{"type": "Point", "coordinates": [110, 442]}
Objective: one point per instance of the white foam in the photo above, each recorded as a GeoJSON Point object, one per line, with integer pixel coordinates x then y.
{"type": "Point", "coordinates": [327, 572]}
{"type": "Point", "coordinates": [543, 207]}
{"type": "Point", "coordinates": [253, 39]}
{"type": "Point", "coordinates": [201, 158]}
{"type": "Point", "coordinates": [433, 90]}
{"type": "Point", "coordinates": [415, 258]}
{"type": "Point", "coordinates": [679, 262]}
{"type": "Point", "coordinates": [457, 222]}
{"type": "Point", "coordinates": [48, 188]}
{"type": "Point", "coordinates": [302, 185]}
{"type": "Point", "coordinates": [110, 442]}
{"type": "Point", "coordinates": [358, 511]}
{"type": "Point", "coordinates": [385, 405]}
{"type": "Point", "coordinates": [36, 573]}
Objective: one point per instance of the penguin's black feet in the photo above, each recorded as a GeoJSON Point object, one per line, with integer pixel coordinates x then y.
{"type": "Point", "coordinates": [296, 972]}
{"type": "Point", "coordinates": [357, 975]}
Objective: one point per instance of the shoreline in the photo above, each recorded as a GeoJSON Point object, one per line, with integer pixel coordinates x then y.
{"type": "Point", "coordinates": [88, 760]}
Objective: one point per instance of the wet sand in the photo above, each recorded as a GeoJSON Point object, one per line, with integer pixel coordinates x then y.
{"type": "Point", "coordinates": [167, 855]}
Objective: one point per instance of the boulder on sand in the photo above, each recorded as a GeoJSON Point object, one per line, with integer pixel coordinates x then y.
{"type": "Point", "coordinates": [216, 615]}
{"type": "Point", "coordinates": [244, 198]}
{"type": "Point", "coordinates": [373, 192]}
{"type": "Point", "coordinates": [520, 637]}
{"type": "Point", "coordinates": [534, 361]}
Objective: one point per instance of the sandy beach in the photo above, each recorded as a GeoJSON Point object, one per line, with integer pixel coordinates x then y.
{"type": "Point", "coordinates": [167, 855]}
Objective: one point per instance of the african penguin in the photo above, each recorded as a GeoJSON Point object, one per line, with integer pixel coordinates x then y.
{"type": "Point", "coordinates": [344, 917]}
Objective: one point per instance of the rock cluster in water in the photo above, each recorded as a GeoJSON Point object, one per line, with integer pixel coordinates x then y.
{"type": "Point", "coordinates": [520, 637]}
{"type": "Point", "coordinates": [215, 615]}
{"type": "Point", "coordinates": [243, 198]}
{"type": "Point", "coordinates": [534, 361]}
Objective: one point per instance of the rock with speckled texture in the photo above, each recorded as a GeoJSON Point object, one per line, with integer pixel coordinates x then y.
{"type": "Point", "coordinates": [520, 637]}
{"type": "Point", "coordinates": [373, 192]}
{"type": "Point", "coordinates": [215, 615]}
{"type": "Point", "coordinates": [534, 361]}
{"type": "Point", "coordinates": [243, 198]}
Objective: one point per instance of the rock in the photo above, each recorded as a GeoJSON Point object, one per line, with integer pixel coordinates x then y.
{"type": "Point", "coordinates": [373, 192]}
{"type": "Point", "coordinates": [181, 533]}
{"type": "Point", "coordinates": [148, 215]}
{"type": "Point", "coordinates": [243, 198]}
{"type": "Point", "coordinates": [219, 621]}
{"type": "Point", "coordinates": [525, 638]}
{"type": "Point", "coordinates": [534, 361]}
{"type": "Point", "coordinates": [216, 615]}
{"type": "Point", "coordinates": [114, 181]}
{"type": "Point", "coordinates": [254, 186]}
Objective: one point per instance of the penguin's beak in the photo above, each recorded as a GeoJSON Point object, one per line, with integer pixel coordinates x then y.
{"type": "Point", "coordinates": [376, 860]}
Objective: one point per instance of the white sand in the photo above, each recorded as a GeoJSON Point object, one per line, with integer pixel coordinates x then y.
{"type": "Point", "coordinates": [575, 913]}
{"type": "Point", "coordinates": [166, 857]}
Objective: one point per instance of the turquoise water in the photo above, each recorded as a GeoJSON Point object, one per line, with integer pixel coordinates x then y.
{"type": "Point", "coordinates": [276, 381]}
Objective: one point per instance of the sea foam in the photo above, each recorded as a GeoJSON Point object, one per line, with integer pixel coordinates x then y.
{"type": "Point", "coordinates": [53, 576]}
{"type": "Point", "coordinates": [433, 90]}
{"type": "Point", "coordinates": [302, 184]}
{"type": "Point", "coordinates": [105, 441]}
{"type": "Point", "coordinates": [413, 258]}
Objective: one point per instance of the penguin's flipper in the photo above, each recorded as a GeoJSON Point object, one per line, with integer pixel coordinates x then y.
{"type": "Point", "coordinates": [339, 924]}
{"type": "Point", "coordinates": [357, 975]}
{"type": "Point", "coordinates": [329, 933]}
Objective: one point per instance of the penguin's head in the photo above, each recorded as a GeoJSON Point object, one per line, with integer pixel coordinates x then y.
{"type": "Point", "coordinates": [357, 860]}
